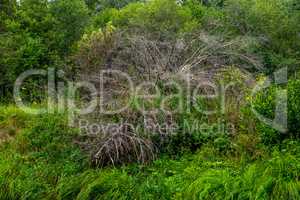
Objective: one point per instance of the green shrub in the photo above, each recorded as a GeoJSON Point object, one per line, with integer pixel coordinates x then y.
{"type": "Point", "coordinates": [161, 18]}
{"type": "Point", "coordinates": [272, 179]}
{"type": "Point", "coordinates": [264, 17]}
{"type": "Point", "coordinates": [261, 19]}
{"type": "Point", "coordinates": [41, 152]}
{"type": "Point", "coordinates": [265, 104]}
{"type": "Point", "coordinates": [294, 107]}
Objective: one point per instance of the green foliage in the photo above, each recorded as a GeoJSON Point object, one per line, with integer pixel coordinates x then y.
{"type": "Point", "coordinates": [39, 35]}
{"type": "Point", "coordinates": [294, 107]}
{"type": "Point", "coordinates": [192, 134]}
{"type": "Point", "coordinates": [7, 11]}
{"type": "Point", "coordinates": [270, 179]}
{"type": "Point", "coordinates": [71, 17]}
{"type": "Point", "coordinates": [265, 104]}
{"type": "Point", "coordinates": [104, 17]}
{"type": "Point", "coordinates": [41, 153]}
{"type": "Point", "coordinates": [53, 22]}
{"type": "Point", "coordinates": [90, 185]}
{"type": "Point", "coordinates": [161, 18]}
{"type": "Point", "coordinates": [22, 49]}
{"type": "Point", "coordinates": [93, 47]}
{"type": "Point", "coordinates": [273, 23]}
{"type": "Point", "coordinates": [38, 155]}
{"type": "Point", "coordinates": [43, 163]}
{"type": "Point", "coordinates": [100, 5]}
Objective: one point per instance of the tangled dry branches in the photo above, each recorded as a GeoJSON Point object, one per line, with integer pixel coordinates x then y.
{"type": "Point", "coordinates": [120, 147]}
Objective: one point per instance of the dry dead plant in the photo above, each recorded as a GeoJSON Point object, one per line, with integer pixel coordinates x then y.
{"type": "Point", "coordinates": [119, 146]}
{"type": "Point", "coordinates": [200, 56]}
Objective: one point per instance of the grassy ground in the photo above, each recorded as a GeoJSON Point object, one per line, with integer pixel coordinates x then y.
{"type": "Point", "coordinates": [41, 161]}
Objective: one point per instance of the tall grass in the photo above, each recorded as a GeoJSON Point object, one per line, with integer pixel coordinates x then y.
{"type": "Point", "coordinates": [42, 162]}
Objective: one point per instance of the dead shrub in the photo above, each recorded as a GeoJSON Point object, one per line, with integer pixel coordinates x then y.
{"type": "Point", "coordinates": [120, 147]}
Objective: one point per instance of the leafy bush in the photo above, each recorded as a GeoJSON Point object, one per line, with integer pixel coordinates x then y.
{"type": "Point", "coordinates": [161, 18]}
{"type": "Point", "coordinates": [265, 104]}
{"type": "Point", "coordinates": [94, 49]}
{"type": "Point", "coordinates": [294, 107]}
{"type": "Point", "coordinates": [261, 18]}
{"type": "Point", "coordinates": [68, 15]}
{"type": "Point", "coordinates": [38, 35]}
{"type": "Point", "coordinates": [42, 151]}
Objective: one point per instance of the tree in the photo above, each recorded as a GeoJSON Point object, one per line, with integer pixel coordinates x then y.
{"type": "Point", "coordinates": [159, 18]}
{"type": "Point", "coordinates": [39, 35]}
{"type": "Point", "coordinates": [100, 5]}
{"type": "Point", "coordinates": [7, 11]}
{"type": "Point", "coordinates": [71, 18]}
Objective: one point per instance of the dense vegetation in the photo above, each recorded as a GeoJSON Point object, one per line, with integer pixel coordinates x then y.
{"type": "Point", "coordinates": [236, 43]}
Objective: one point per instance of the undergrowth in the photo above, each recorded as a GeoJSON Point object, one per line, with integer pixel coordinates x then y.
{"type": "Point", "coordinates": [43, 162]}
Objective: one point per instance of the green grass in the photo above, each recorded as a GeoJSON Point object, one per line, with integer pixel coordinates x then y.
{"type": "Point", "coordinates": [42, 162]}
